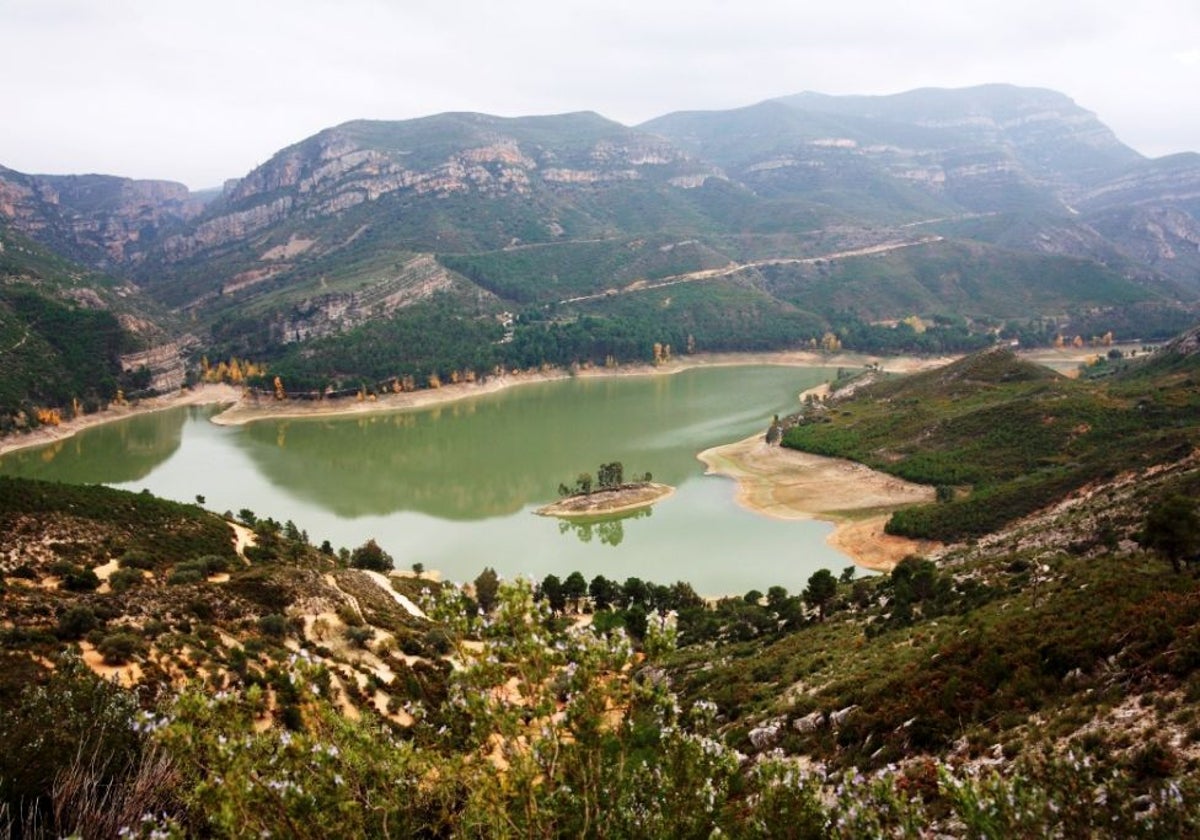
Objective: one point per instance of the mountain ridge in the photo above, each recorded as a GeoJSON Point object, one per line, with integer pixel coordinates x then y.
{"type": "Point", "coordinates": [1011, 183]}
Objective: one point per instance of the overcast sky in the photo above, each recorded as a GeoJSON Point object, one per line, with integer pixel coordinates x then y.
{"type": "Point", "coordinates": [203, 91]}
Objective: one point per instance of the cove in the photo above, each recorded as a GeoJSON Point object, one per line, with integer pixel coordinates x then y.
{"type": "Point", "coordinates": [454, 486]}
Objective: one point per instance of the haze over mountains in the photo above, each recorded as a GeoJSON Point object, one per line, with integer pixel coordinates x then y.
{"type": "Point", "coordinates": [987, 202]}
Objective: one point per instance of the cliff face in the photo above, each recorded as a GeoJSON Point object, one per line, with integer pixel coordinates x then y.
{"type": "Point", "coordinates": [101, 219]}
{"type": "Point", "coordinates": [466, 156]}
{"type": "Point", "coordinates": [167, 363]}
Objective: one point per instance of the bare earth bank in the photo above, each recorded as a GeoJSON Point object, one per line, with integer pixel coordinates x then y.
{"type": "Point", "coordinates": [788, 484]}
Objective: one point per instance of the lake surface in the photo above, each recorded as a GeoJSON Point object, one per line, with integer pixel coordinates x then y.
{"type": "Point", "coordinates": [455, 486]}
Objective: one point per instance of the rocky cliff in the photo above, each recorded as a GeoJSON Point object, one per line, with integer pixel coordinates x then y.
{"type": "Point", "coordinates": [103, 220]}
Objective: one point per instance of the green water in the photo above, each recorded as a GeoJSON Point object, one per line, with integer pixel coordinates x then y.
{"type": "Point", "coordinates": [454, 486]}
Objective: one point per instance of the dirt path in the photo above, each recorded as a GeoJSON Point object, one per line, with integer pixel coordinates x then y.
{"type": "Point", "coordinates": [787, 484]}
{"type": "Point", "coordinates": [734, 268]}
{"type": "Point", "coordinates": [243, 538]}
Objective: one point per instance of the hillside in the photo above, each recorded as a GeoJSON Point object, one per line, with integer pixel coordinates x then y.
{"type": "Point", "coordinates": [1005, 437]}
{"type": "Point", "coordinates": [71, 339]}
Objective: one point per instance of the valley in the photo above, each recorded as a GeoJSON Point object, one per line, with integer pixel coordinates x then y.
{"type": "Point", "coordinates": [902, 394]}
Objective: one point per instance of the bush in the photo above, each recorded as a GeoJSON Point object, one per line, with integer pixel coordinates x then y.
{"type": "Point", "coordinates": [119, 648]}
{"type": "Point", "coordinates": [122, 580]}
{"type": "Point", "coordinates": [76, 719]}
{"type": "Point", "coordinates": [137, 559]}
{"type": "Point", "coordinates": [183, 576]}
{"type": "Point", "coordinates": [76, 622]}
{"type": "Point", "coordinates": [360, 636]}
{"type": "Point", "coordinates": [76, 578]}
{"type": "Point", "coordinates": [274, 625]}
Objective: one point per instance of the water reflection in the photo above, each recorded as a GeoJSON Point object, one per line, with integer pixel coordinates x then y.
{"type": "Point", "coordinates": [610, 530]}
{"type": "Point", "coordinates": [112, 453]}
{"type": "Point", "coordinates": [493, 455]}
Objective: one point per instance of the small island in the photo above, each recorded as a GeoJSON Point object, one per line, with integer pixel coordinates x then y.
{"type": "Point", "coordinates": [610, 493]}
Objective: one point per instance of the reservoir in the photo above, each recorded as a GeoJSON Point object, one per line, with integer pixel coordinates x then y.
{"type": "Point", "coordinates": [454, 486]}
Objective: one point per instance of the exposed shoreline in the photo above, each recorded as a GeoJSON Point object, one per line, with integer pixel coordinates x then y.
{"type": "Point", "coordinates": [776, 482]}
{"type": "Point", "coordinates": [789, 484]}
{"type": "Point", "coordinates": [603, 503]}
{"type": "Point", "coordinates": [248, 410]}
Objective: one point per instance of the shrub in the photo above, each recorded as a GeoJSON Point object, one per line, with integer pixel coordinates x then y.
{"type": "Point", "coordinates": [137, 559]}
{"type": "Point", "coordinates": [273, 625]}
{"type": "Point", "coordinates": [182, 577]}
{"type": "Point", "coordinates": [76, 622]}
{"type": "Point", "coordinates": [122, 580]}
{"type": "Point", "coordinates": [76, 578]}
{"type": "Point", "coordinates": [360, 636]}
{"type": "Point", "coordinates": [119, 648]}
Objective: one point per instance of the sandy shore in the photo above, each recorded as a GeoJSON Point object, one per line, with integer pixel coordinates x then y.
{"type": "Point", "coordinates": [200, 395]}
{"type": "Point", "coordinates": [788, 484]}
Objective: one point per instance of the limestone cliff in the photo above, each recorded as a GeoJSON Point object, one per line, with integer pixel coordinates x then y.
{"type": "Point", "coordinates": [101, 219]}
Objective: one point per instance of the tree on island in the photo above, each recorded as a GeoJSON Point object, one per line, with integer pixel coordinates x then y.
{"type": "Point", "coordinates": [611, 475]}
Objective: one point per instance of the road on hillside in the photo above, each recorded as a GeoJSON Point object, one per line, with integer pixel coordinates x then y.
{"type": "Point", "coordinates": [734, 268]}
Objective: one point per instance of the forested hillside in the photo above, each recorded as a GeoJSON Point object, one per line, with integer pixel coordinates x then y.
{"type": "Point", "coordinates": [61, 337]}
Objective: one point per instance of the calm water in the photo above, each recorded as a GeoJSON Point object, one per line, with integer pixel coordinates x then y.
{"type": "Point", "coordinates": [454, 487]}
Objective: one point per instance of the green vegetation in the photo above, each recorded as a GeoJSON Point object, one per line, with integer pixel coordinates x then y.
{"type": "Point", "coordinates": [893, 689]}
{"type": "Point", "coordinates": [557, 271]}
{"type": "Point", "coordinates": [143, 525]}
{"type": "Point", "coordinates": [1019, 436]}
{"type": "Point", "coordinates": [60, 337]}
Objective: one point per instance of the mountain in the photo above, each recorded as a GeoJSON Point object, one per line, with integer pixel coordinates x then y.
{"type": "Point", "coordinates": [98, 219]}
{"type": "Point", "coordinates": [807, 214]}
{"type": "Point", "coordinates": [991, 150]}
{"type": "Point", "coordinates": [72, 338]}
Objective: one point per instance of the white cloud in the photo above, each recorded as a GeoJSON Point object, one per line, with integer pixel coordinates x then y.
{"type": "Point", "coordinates": [202, 92]}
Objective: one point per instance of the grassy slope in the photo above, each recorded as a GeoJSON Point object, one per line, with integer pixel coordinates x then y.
{"type": "Point", "coordinates": [1017, 435]}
